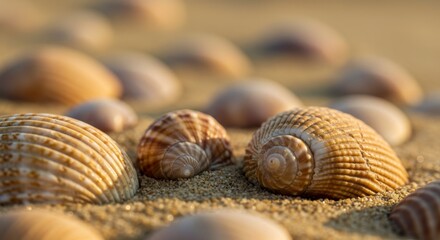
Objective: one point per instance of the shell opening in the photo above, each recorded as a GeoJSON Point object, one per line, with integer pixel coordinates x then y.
{"type": "Point", "coordinates": [184, 160]}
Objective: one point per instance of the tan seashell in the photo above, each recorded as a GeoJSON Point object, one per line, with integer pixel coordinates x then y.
{"type": "Point", "coordinates": [378, 77]}
{"type": "Point", "coordinates": [107, 115]}
{"type": "Point", "coordinates": [42, 224]}
{"type": "Point", "coordinates": [55, 74]}
{"type": "Point", "coordinates": [209, 52]}
{"type": "Point", "coordinates": [48, 158]}
{"type": "Point", "coordinates": [222, 224]}
{"type": "Point", "coordinates": [320, 152]}
{"type": "Point", "coordinates": [418, 215]}
{"type": "Point", "coordinates": [250, 103]}
{"type": "Point", "coordinates": [182, 144]}
{"type": "Point", "coordinates": [385, 118]}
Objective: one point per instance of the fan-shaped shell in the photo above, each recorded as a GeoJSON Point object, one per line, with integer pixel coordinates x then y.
{"type": "Point", "coordinates": [107, 115]}
{"type": "Point", "coordinates": [42, 224]}
{"type": "Point", "coordinates": [48, 158]}
{"type": "Point", "coordinates": [388, 120]}
{"type": "Point", "coordinates": [250, 103]}
{"type": "Point", "coordinates": [55, 74]}
{"type": "Point", "coordinates": [418, 215]}
{"type": "Point", "coordinates": [183, 143]}
{"type": "Point", "coordinates": [222, 224]}
{"type": "Point", "coordinates": [320, 152]}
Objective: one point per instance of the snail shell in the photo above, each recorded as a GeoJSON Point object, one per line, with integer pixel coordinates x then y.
{"type": "Point", "coordinates": [55, 74]}
{"type": "Point", "coordinates": [320, 152]}
{"type": "Point", "coordinates": [250, 103]}
{"type": "Point", "coordinates": [418, 215]}
{"type": "Point", "coordinates": [183, 143]}
{"type": "Point", "coordinates": [107, 115]}
{"type": "Point", "coordinates": [42, 224]}
{"type": "Point", "coordinates": [385, 118]}
{"type": "Point", "coordinates": [46, 158]}
{"type": "Point", "coordinates": [222, 224]}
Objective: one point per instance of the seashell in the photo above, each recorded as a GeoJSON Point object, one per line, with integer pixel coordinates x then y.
{"type": "Point", "coordinates": [48, 158]}
{"type": "Point", "coordinates": [418, 215]}
{"type": "Point", "coordinates": [107, 115]}
{"type": "Point", "coordinates": [211, 53]}
{"type": "Point", "coordinates": [145, 78]}
{"type": "Point", "coordinates": [430, 105]}
{"type": "Point", "coordinates": [321, 152]}
{"type": "Point", "coordinates": [378, 77]}
{"type": "Point", "coordinates": [222, 224]}
{"type": "Point", "coordinates": [250, 103]}
{"type": "Point", "coordinates": [42, 224]}
{"type": "Point", "coordinates": [385, 118]}
{"type": "Point", "coordinates": [55, 74]}
{"type": "Point", "coordinates": [183, 143]}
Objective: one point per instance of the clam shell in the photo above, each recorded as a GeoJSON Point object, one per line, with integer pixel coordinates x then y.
{"type": "Point", "coordinates": [42, 224]}
{"type": "Point", "coordinates": [321, 152]}
{"type": "Point", "coordinates": [183, 143]}
{"type": "Point", "coordinates": [222, 224]}
{"type": "Point", "coordinates": [250, 103]}
{"type": "Point", "coordinates": [107, 115]}
{"type": "Point", "coordinates": [385, 118]}
{"type": "Point", "coordinates": [48, 158]}
{"type": "Point", "coordinates": [55, 74]}
{"type": "Point", "coordinates": [418, 215]}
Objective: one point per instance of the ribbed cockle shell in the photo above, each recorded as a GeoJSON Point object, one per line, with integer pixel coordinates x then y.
{"type": "Point", "coordinates": [320, 152]}
{"type": "Point", "coordinates": [183, 143]}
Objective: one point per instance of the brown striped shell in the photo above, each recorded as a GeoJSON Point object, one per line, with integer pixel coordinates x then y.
{"type": "Point", "coordinates": [46, 158]}
{"type": "Point", "coordinates": [42, 224]}
{"type": "Point", "coordinates": [56, 74]}
{"type": "Point", "coordinates": [418, 215]}
{"type": "Point", "coordinates": [182, 144]}
{"type": "Point", "coordinates": [320, 152]}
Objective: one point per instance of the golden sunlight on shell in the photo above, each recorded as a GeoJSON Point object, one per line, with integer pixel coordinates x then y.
{"type": "Point", "coordinates": [222, 224]}
{"type": "Point", "coordinates": [250, 103]}
{"type": "Point", "coordinates": [60, 75]}
{"type": "Point", "coordinates": [385, 118]}
{"type": "Point", "coordinates": [42, 224]}
{"type": "Point", "coordinates": [183, 143]}
{"type": "Point", "coordinates": [53, 159]}
{"type": "Point", "coordinates": [321, 152]}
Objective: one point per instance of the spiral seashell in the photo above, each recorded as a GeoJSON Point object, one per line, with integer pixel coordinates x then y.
{"type": "Point", "coordinates": [107, 115]}
{"type": "Point", "coordinates": [42, 224]}
{"type": "Point", "coordinates": [55, 74]}
{"type": "Point", "coordinates": [250, 103]}
{"type": "Point", "coordinates": [320, 152]}
{"type": "Point", "coordinates": [378, 77]}
{"type": "Point", "coordinates": [385, 118]}
{"type": "Point", "coordinates": [182, 144]}
{"type": "Point", "coordinates": [46, 158]}
{"type": "Point", "coordinates": [418, 215]}
{"type": "Point", "coordinates": [222, 224]}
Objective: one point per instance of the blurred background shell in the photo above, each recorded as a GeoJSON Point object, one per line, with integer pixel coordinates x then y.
{"type": "Point", "coordinates": [384, 117]}
{"type": "Point", "coordinates": [107, 115]}
{"type": "Point", "coordinates": [20, 16]}
{"type": "Point", "coordinates": [379, 77]}
{"type": "Point", "coordinates": [43, 224]}
{"type": "Point", "coordinates": [222, 224]}
{"type": "Point", "coordinates": [57, 74]}
{"type": "Point", "coordinates": [250, 103]}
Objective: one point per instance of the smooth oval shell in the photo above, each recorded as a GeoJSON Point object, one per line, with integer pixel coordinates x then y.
{"type": "Point", "coordinates": [48, 158]}
{"type": "Point", "coordinates": [107, 115]}
{"type": "Point", "coordinates": [418, 215]}
{"type": "Point", "coordinates": [42, 224]}
{"type": "Point", "coordinates": [385, 118]}
{"type": "Point", "coordinates": [378, 77]}
{"type": "Point", "coordinates": [55, 74]}
{"type": "Point", "coordinates": [181, 144]}
{"type": "Point", "coordinates": [222, 224]}
{"type": "Point", "coordinates": [321, 152]}
{"type": "Point", "coordinates": [250, 103]}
